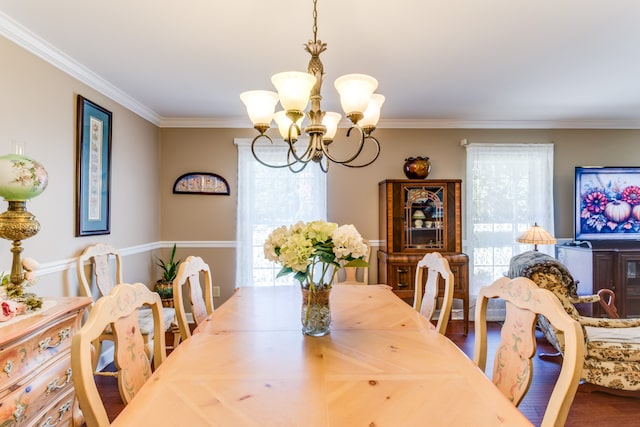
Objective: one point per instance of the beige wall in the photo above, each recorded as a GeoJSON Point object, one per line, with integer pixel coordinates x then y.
{"type": "Point", "coordinates": [38, 106]}
{"type": "Point", "coordinates": [353, 193]}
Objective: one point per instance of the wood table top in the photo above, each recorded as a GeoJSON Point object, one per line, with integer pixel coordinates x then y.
{"type": "Point", "coordinates": [383, 364]}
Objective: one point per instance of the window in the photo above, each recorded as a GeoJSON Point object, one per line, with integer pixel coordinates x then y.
{"type": "Point", "coordinates": [269, 198]}
{"type": "Point", "coordinates": [508, 188]}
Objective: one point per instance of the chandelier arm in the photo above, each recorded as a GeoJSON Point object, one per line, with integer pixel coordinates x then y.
{"type": "Point", "coordinates": [325, 147]}
{"type": "Point", "coordinates": [373, 138]}
{"type": "Point", "coordinates": [255, 155]}
{"type": "Point", "coordinates": [324, 167]}
{"type": "Point", "coordinates": [305, 157]}
{"type": "Point", "coordinates": [303, 164]}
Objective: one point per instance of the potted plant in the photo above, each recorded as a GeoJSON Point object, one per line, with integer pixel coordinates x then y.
{"type": "Point", "coordinates": [164, 286]}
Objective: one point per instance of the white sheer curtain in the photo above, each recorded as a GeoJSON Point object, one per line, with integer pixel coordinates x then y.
{"type": "Point", "coordinates": [508, 188]}
{"type": "Point", "coordinates": [267, 199]}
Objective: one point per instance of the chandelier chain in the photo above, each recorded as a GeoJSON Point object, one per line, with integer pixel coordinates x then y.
{"type": "Point", "coordinates": [315, 21]}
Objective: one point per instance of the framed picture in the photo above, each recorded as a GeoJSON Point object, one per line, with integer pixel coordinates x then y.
{"type": "Point", "coordinates": [93, 169]}
{"type": "Point", "coordinates": [201, 183]}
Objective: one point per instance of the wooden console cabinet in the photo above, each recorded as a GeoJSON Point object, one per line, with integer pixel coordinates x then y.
{"type": "Point", "coordinates": [36, 386]}
{"type": "Point", "coordinates": [417, 217]}
{"type": "Point", "coordinates": [610, 265]}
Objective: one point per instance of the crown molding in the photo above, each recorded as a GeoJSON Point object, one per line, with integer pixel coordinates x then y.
{"type": "Point", "coordinates": [24, 38]}
{"type": "Point", "coordinates": [507, 124]}
{"type": "Point", "coordinates": [204, 122]}
{"type": "Point", "coordinates": [234, 123]}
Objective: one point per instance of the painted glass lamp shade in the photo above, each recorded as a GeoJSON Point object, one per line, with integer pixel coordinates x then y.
{"type": "Point", "coordinates": [21, 177]}
{"type": "Point", "coordinates": [535, 236]}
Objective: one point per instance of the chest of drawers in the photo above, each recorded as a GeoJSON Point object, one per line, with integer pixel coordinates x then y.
{"type": "Point", "coordinates": [36, 387]}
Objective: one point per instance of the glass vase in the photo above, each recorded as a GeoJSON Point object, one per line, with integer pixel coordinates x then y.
{"type": "Point", "coordinates": [316, 312]}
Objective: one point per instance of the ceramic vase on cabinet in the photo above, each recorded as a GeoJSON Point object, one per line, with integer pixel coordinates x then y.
{"type": "Point", "coordinates": [417, 167]}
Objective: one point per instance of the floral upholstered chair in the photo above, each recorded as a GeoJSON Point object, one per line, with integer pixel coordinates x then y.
{"type": "Point", "coordinates": [612, 356]}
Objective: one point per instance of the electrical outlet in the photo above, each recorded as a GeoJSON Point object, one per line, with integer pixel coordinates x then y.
{"type": "Point", "coordinates": [215, 290]}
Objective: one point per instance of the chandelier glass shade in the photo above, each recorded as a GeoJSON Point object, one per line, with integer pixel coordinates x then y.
{"type": "Point", "coordinates": [295, 90]}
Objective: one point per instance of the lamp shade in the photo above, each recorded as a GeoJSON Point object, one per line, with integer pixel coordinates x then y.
{"type": "Point", "coordinates": [21, 177]}
{"type": "Point", "coordinates": [294, 89]}
{"type": "Point", "coordinates": [418, 214]}
{"type": "Point", "coordinates": [260, 105]}
{"type": "Point", "coordinates": [536, 235]}
{"type": "Point", "coordinates": [284, 123]}
{"type": "Point", "coordinates": [355, 92]}
{"type": "Point", "coordinates": [372, 113]}
{"type": "Point", "coordinates": [331, 120]}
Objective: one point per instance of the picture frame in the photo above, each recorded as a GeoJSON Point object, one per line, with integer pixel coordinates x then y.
{"type": "Point", "coordinates": [201, 183]}
{"type": "Point", "coordinates": [93, 168]}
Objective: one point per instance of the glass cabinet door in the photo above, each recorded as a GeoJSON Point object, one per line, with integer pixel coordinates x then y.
{"type": "Point", "coordinates": [424, 222]}
{"type": "Point", "coordinates": [632, 284]}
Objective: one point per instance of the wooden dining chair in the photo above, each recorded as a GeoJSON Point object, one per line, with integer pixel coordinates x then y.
{"type": "Point", "coordinates": [349, 275]}
{"type": "Point", "coordinates": [513, 368]}
{"type": "Point", "coordinates": [425, 299]}
{"type": "Point", "coordinates": [102, 258]}
{"type": "Point", "coordinates": [119, 311]}
{"type": "Point", "coordinates": [189, 273]}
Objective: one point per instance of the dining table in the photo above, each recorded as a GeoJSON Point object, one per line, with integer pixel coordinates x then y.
{"type": "Point", "coordinates": [382, 364]}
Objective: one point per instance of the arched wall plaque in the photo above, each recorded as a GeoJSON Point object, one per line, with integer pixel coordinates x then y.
{"type": "Point", "coordinates": [201, 183]}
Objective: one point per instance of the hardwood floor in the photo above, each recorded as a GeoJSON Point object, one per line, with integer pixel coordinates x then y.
{"type": "Point", "coordinates": [589, 409]}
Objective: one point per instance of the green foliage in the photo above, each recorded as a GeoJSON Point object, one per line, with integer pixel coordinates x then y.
{"type": "Point", "coordinates": [170, 267]}
{"type": "Point", "coordinates": [164, 290]}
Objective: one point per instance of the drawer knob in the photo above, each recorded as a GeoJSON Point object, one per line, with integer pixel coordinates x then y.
{"type": "Point", "coordinates": [64, 334]}
{"type": "Point", "coordinates": [8, 367]}
{"type": "Point", "coordinates": [18, 413]}
{"type": "Point", "coordinates": [53, 385]}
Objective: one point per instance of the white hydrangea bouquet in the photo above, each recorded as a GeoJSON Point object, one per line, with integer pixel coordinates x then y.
{"type": "Point", "coordinates": [315, 251]}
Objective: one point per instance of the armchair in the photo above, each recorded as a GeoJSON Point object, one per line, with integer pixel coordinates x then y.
{"type": "Point", "coordinates": [612, 352]}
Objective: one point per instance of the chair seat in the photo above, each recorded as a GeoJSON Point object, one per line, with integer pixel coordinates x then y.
{"type": "Point", "coordinates": [145, 320]}
{"type": "Point", "coordinates": [618, 375]}
{"type": "Point", "coordinates": [614, 351]}
{"type": "Point", "coordinates": [629, 335]}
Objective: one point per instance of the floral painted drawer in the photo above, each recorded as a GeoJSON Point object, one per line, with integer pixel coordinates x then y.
{"type": "Point", "coordinates": [36, 386]}
{"type": "Point", "coordinates": [23, 356]}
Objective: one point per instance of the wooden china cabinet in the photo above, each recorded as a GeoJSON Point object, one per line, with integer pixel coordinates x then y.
{"type": "Point", "coordinates": [418, 216]}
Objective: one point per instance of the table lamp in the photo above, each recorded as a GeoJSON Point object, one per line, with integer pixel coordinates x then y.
{"type": "Point", "coordinates": [536, 235]}
{"type": "Point", "coordinates": [21, 179]}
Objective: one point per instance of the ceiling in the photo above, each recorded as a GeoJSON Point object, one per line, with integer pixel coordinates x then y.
{"type": "Point", "coordinates": [440, 63]}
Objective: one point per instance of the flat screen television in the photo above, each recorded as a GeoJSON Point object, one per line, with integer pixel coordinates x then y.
{"type": "Point", "coordinates": [607, 203]}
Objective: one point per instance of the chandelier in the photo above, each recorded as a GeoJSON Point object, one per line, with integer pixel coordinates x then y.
{"type": "Point", "coordinates": [295, 90]}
